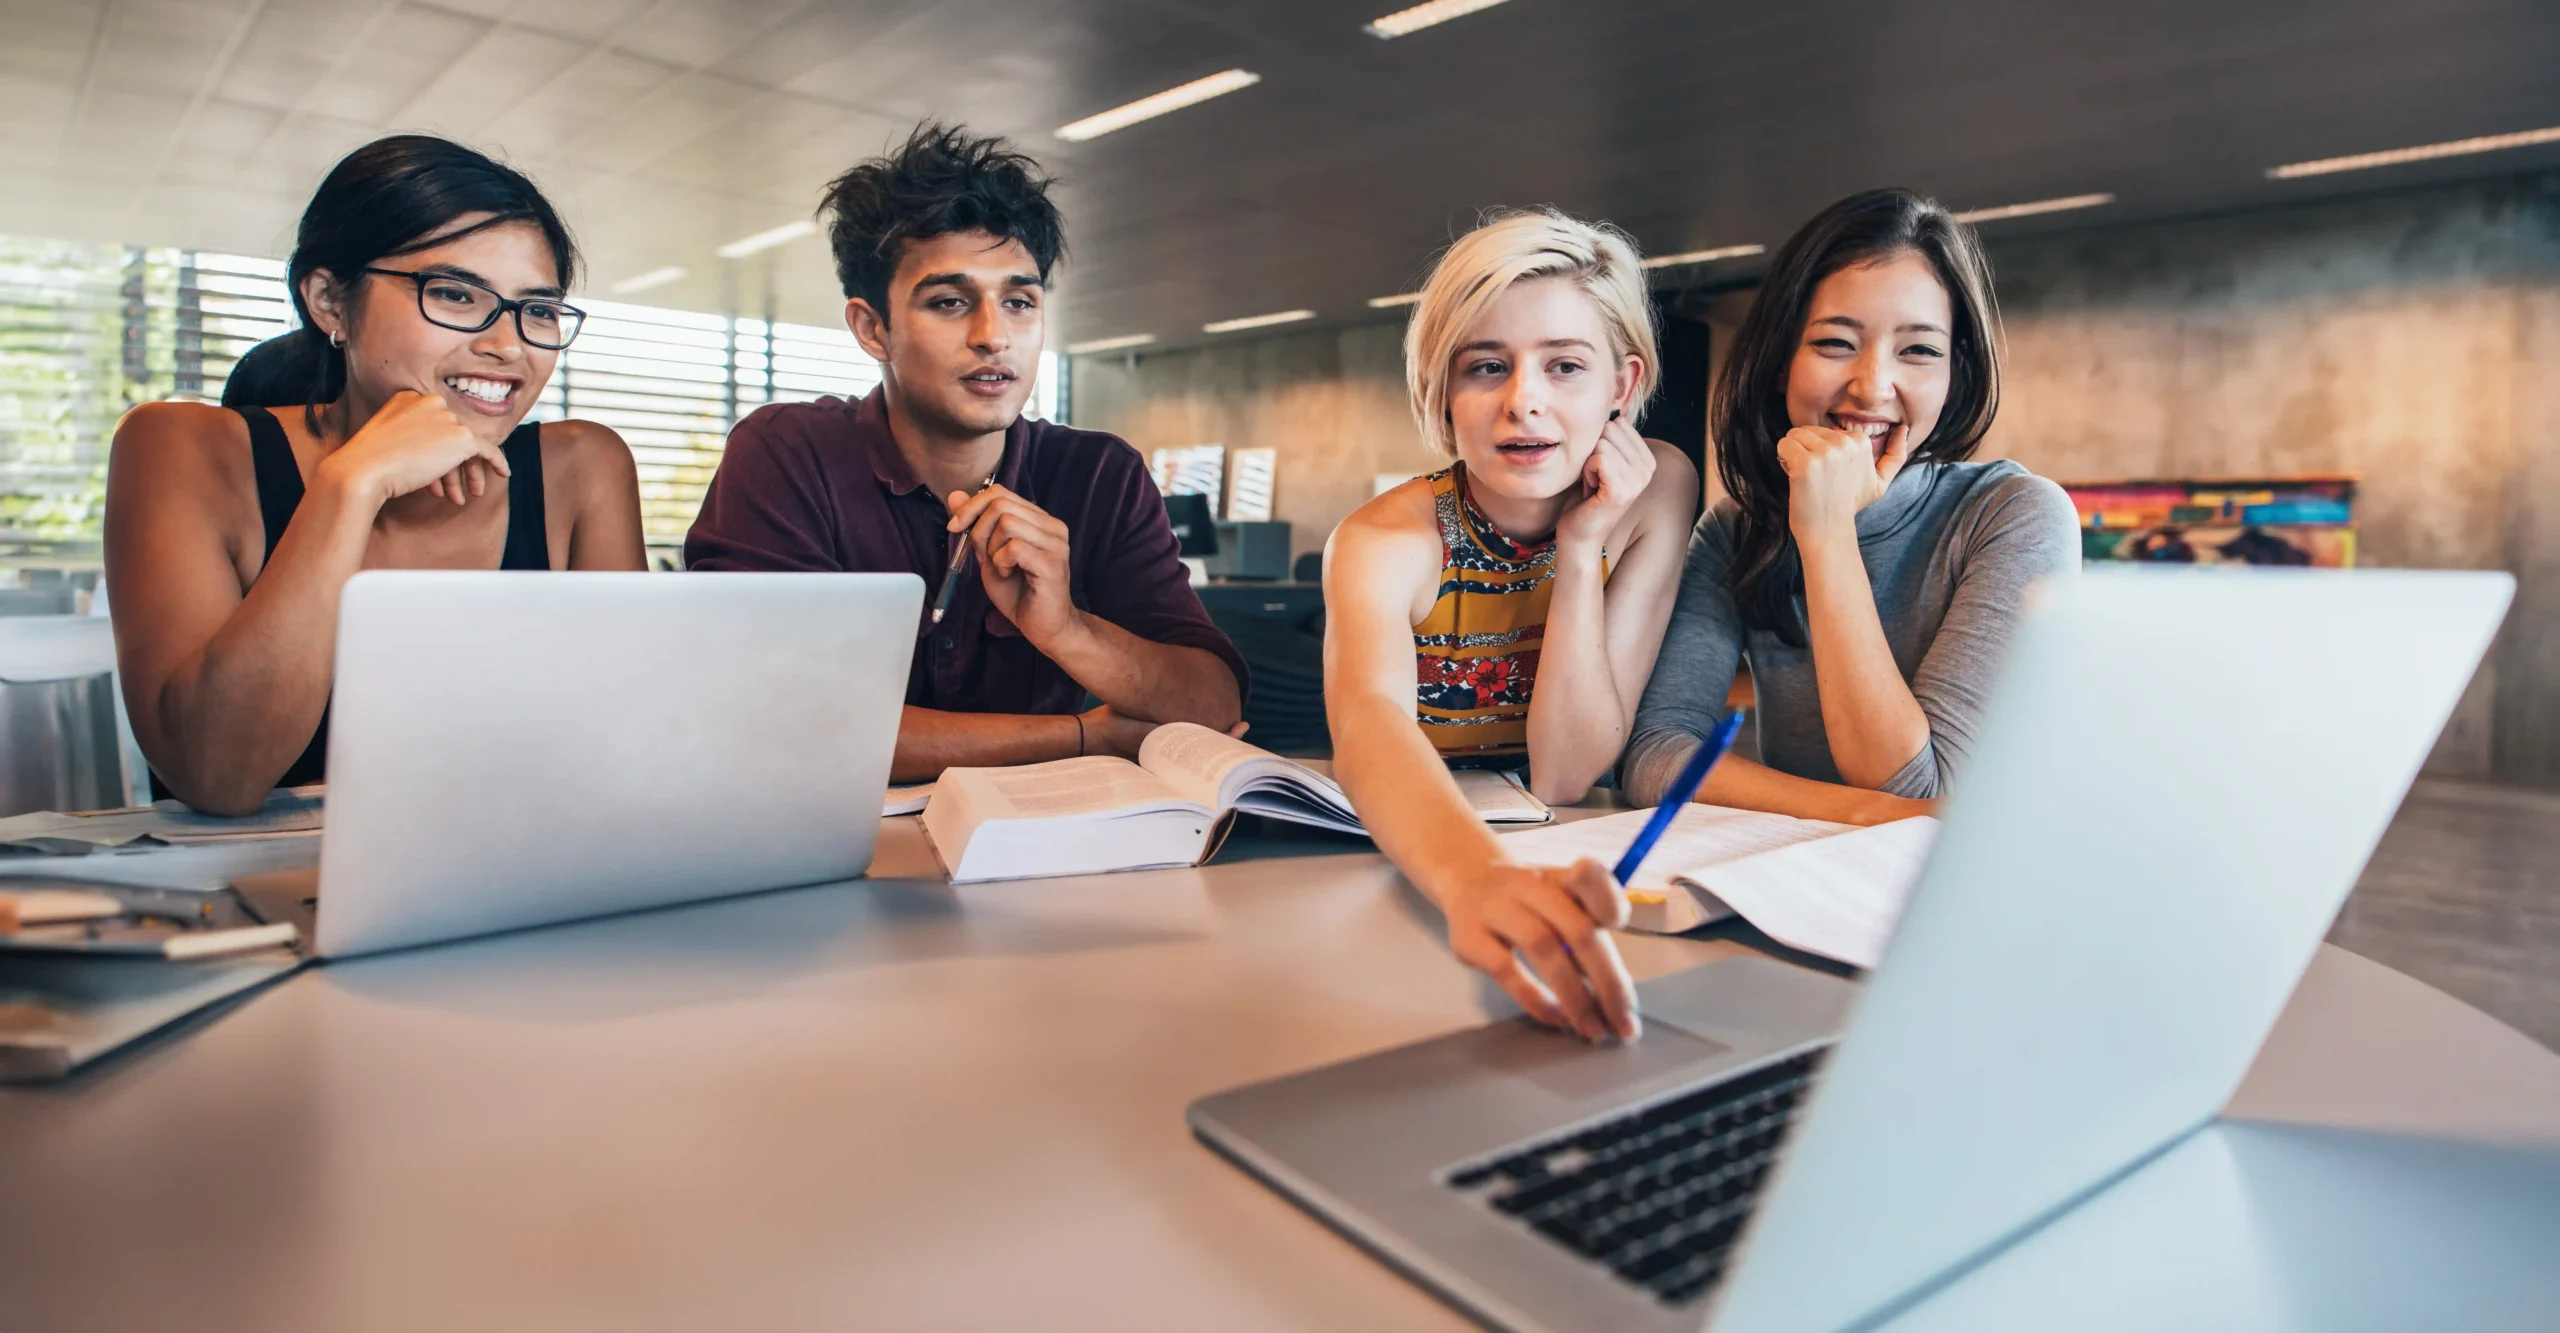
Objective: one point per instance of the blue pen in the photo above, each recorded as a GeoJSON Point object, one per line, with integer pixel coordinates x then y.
{"type": "Point", "coordinates": [1682, 788]}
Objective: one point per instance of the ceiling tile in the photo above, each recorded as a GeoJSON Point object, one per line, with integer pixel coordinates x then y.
{"type": "Point", "coordinates": [409, 51]}
{"type": "Point", "coordinates": [584, 21]}
{"type": "Point", "coordinates": [586, 93]}
{"type": "Point", "coordinates": [164, 46]}
{"type": "Point", "coordinates": [485, 78]}
{"type": "Point", "coordinates": [293, 45]}
{"type": "Point", "coordinates": [683, 109]}
{"type": "Point", "coordinates": [47, 41]}
{"type": "Point", "coordinates": [694, 34]}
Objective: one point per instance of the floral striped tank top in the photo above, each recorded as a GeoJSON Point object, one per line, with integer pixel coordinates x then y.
{"type": "Point", "coordinates": [1476, 652]}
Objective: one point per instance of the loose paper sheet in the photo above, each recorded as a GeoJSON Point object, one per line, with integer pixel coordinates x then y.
{"type": "Point", "coordinates": [906, 800]}
{"type": "Point", "coordinates": [1839, 897]}
{"type": "Point", "coordinates": [1699, 836]}
{"type": "Point", "coordinates": [1831, 889]}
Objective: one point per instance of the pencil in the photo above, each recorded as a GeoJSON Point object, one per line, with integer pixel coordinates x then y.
{"type": "Point", "coordinates": [951, 574]}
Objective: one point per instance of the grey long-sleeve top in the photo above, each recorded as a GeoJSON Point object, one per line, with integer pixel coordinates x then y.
{"type": "Point", "coordinates": [1950, 548]}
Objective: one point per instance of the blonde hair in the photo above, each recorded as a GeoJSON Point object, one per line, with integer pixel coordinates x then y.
{"type": "Point", "coordinates": [1474, 273]}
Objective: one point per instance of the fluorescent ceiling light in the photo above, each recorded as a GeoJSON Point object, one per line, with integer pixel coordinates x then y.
{"type": "Point", "coordinates": [2062, 205]}
{"type": "Point", "coordinates": [1257, 321]}
{"type": "Point", "coordinates": [1148, 108]}
{"type": "Point", "coordinates": [656, 277]}
{"type": "Point", "coordinates": [1110, 344]}
{"type": "Point", "coordinates": [2487, 143]}
{"type": "Point", "coordinates": [766, 240]}
{"type": "Point", "coordinates": [1423, 16]}
{"type": "Point", "coordinates": [1391, 302]}
{"type": "Point", "coordinates": [1703, 256]}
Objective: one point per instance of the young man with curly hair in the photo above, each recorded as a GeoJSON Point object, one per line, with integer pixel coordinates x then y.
{"type": "Point", "coordinates": [1072, 584]}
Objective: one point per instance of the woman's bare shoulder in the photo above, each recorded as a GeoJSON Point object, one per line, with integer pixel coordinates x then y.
{"type": "Point", "coordinates": [584, 444]}
{"type": "Point", "coordinates": [176, 440]}
{"type": "Point", "coordinates": [1670, 501]}
{"type": "Point", "coordinates": [1407, 511]}
{"type": "Point", "coordinates": [1393, 540]}
{"type": "Point", "coordinates": [587, 458]}
{"type": "Point", "coordinates": [1674, 476]}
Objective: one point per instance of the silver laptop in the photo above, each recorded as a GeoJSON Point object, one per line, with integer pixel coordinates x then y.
{"type": "Point", "coordinates": [2181, 775]}
{"type": "Point", "coordinates": [515, 749]}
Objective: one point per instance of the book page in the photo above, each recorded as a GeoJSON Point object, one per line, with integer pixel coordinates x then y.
{"type": "Point", "coordinates": [1196, 760]}
{"type": "Point", "coordinates": [1838, 897]}
{"type": "Point", "coordinates": [1207, 766]}
{"type": "Point", "coordinates": [1095, 784]}
{"type": "Point", "coordinates": [1700, 836]}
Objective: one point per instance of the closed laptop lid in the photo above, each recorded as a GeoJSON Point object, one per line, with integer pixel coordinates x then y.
{"type": "Point", "coordinates": [512, 749]}
{"type": "Point", "coordinates": [2181, 776]}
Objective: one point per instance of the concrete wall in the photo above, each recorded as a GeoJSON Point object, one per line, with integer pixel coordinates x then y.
{"type": "Point", "coordinates": [1331, 401]}
{"type": "Point", "coordinates": [2412, 337]}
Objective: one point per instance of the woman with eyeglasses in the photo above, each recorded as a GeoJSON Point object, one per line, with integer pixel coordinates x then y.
{"type": "Point", "coordinates": [429, 280]}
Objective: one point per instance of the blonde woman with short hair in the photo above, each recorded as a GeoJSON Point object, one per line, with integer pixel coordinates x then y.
{"type": "Point", "coordinates": [1506, 610]}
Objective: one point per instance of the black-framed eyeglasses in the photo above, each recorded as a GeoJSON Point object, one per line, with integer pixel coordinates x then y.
{"type": "Point", "coordinates": [468, 307]}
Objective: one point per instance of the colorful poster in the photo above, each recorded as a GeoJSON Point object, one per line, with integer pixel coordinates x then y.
{"type": "Point", "coordinates": [2219, 521]}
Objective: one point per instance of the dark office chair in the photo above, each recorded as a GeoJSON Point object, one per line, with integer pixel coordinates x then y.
{"type": "Point", "coordinates": [1280, 630]}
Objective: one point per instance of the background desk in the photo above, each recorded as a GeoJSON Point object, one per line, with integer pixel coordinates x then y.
{"type": "Point", "coordinates": [887, 1104]}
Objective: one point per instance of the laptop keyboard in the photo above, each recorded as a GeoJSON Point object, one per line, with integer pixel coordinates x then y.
{"type": "Point", "coordinates": [1658, 1195]}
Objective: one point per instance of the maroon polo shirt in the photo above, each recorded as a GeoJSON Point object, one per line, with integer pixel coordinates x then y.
{"type": "Point", "coordinates": [821, 487]}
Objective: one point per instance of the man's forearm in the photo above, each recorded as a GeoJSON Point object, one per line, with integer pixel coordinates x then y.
{"type": "Point", "coordinates": [1159, 682]}
{"type": "Point", "coordinates": [930, 740]}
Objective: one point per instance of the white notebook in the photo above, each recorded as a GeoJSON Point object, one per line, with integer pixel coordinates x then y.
{"type": "Point", "coordinates": [1171, 808]}
{"type": "Point", "coordinates": [1831, 889]}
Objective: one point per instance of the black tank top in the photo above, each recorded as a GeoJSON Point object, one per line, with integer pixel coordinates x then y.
{"type": "Point", "coordinates": [280, 493]}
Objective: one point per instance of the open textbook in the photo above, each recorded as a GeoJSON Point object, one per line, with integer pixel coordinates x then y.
{"type": "Point", "coordinates": [1171, 808]}
{"type": "Point", "coordinates": [1831, 889]}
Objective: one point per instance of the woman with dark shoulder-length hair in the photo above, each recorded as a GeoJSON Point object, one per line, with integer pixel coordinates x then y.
{"type": "Point", "coordinates": [430, 282]}
{"type": "Point", "coordinates": [1868, 573]}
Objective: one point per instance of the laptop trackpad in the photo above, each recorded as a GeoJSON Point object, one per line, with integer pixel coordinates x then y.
{"type": "Point", "coordinates": [1575, 1070]}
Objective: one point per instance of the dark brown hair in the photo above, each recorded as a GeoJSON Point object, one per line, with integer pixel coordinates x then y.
{"type": "Point", "coordinates": [1747, 405]}
{"type": "Point", "coordinates": [940, 180]}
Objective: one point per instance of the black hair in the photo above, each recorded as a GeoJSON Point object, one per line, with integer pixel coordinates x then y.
{"type": "Point", "coordinates": [1747, 405]}
{"type": "Point", "coordinates": [939, 181]}
{"type": "Point", "coordinates": [275, 373]}
{"type": "Point", "coordinates": [394, 196]}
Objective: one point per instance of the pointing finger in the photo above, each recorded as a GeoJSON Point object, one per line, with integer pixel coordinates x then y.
{"type": "Point", "coordinates": [1479, 949]}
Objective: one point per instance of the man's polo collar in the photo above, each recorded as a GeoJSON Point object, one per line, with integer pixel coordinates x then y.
{"type": "Point", "coordinates": [889, 463]}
